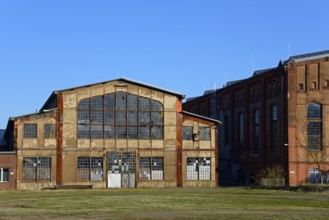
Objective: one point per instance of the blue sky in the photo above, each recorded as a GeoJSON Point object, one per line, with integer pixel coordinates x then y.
{"type": "Point", "coordinates": [187, 46]}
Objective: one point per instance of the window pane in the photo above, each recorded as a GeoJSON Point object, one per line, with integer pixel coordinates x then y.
{"type": "Point", "coordinates": [30, 130]}
{"type": "Point", "coordinates": [29, 169]}
{"type": "Point", "coordinates": [121, 117]}
{"type": "Point", "coordinates": [83, 131]}
{"type": "Point", "coordinates": [144, 118]}
{"type": "Point", "coordinates": [132, 102]}
{"type": "Point", "coordinates": [132, 118]}
{"type": "Point", "coordinates": [97, 117]}
{"type": "Point", "coordinates": [204, 168]}
{"type": "Point", "coordinates": [83, 168]}
{"type": "Point", "coordinates": [109, 101]}
{"type": "Point", "coordinates": [5, 175]}
{"type": "Point", "coordinates": [132, 132]}
{"type": "Point", "coordinates": [157, 118]}
{"type": "Point", "coordinates": [314, 111]}
{"type": "Point", "coordinates": [157, 168]}
{"type": "Point", "coordinates": [44, 169]}
{"type": "Point", "coordinates": [109, 117]}
{"type": "Point", "coordinates": [314, 176]}
{"type": "Point", "coordinates": [97, 168]}
{"type": "Point", "coordinates": [84, 104]}
{"type": "Point", "coordinates": [157, 132]}
{"type": "Point", "coordinates": [83, 116]}
{"type": "Point", "coordinates": [144, 104]}
{"type": "Point", "coordinates": [121, 102]}
{"type": "Point", "coordinates": [204, 133]}
{"type": "Point", "coordinates": [156, 106]}
{"type": "Point", "coordinates": [109, 131]}
{"type": "Point", "coordinates": [192, 168]}
{"type": "Point", "coordinates": [97, 131]}
{"type": "Point", "coordinates": [97, 102]}
{"type": "Point", "coordinates": [145, 168]}
{"type": "Point", "coordinates": [187, 132]}
{"type": "Point", "coordinates": [121, 131]}
{"type": "Point", "coordinates": [144, 132]}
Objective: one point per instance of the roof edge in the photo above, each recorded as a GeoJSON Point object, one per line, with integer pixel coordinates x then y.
{"type": "Point", "coordinates": [202, 117]}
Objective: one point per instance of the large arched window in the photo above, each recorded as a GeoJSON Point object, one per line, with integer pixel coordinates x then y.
{"type": "Point", "coordinates": [256, 131]}
{"type": "Point", "coordinates": [314, 126]}
{"type": "Point", "coordinates": [120, 115]}
{"type": "Point", "coordinates": [274, 127]}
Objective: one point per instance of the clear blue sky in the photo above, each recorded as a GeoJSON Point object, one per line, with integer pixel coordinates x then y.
{"type": "Point", "coordinates": [182, 45]}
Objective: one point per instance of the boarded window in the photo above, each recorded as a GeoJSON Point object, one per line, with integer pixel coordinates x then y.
{"type": "Point", "coordinates": [50, 131]}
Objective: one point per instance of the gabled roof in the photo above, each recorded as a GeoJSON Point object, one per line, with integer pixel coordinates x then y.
{"type": "Point", "coordinates": [128, 81]}
{"type": "Point", "coordinates": [202, 117]}
{"type": "Point", "coordinates": [181, 96]}
{"type": "Point", "coordinates": [310, 56]}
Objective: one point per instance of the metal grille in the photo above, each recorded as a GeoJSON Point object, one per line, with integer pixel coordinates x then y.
{"type": "Point", "coordinates": [37, 169]}
{"type": "Point", "coordinates": [198, 168]}
{"type": "Point", "coordinates": [30, 130]}
{"type": "Point", "coordinates": [50, 130]}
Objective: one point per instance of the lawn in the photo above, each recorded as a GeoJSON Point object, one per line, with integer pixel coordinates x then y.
{"type": "Point", "coordinates": [220, 203]}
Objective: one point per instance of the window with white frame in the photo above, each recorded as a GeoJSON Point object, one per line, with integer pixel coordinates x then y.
{"type": "Point", "coordinates": [151, 168]}
{"type": "Point", "coordinates": [90, 168]}
{"type": "Point", "coordinates": [198, 168]}
{"type": "Point", "coordinates": [4, 175]}
{"type": "Point", "coordinates": [37, 169]}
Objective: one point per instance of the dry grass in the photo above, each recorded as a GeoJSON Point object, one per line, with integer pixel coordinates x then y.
{"type": "Point", "coordinates": [223, 203]}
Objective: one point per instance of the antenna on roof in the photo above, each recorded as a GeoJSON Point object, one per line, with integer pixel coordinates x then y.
{"type": "Point", "coordinates": [289, 49]}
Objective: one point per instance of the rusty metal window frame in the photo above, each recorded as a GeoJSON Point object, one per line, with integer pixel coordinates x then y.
{"type": "Point", "coordinates": [90, 168]}
{"type": "Point", "coordinates": [30, 130]}
{"type": "Point", "coordinates": [151, 168]}
{"type": "Point", "coordinates": [50, 131]}
{"type": "Point", "coordinates": [198, 168]}
{"type": "Point", "coordinates": [120, 115]}
{"type": "Point", "coordinates": [37, 169]}
{"type": "Point", "coordinates": [4, 175]}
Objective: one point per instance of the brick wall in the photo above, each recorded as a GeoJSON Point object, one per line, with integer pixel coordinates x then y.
{"type": "Point", "coordinates": [8, 160]}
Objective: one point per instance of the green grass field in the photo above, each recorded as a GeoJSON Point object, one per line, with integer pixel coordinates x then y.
{"type": "Point", "coordinates": [221, 203]}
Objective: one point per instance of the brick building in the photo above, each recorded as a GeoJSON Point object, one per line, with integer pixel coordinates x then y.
{"type": "Point", "coordinates": [113, 134]}
{"type": "Point", "coordinates": [279, 116]}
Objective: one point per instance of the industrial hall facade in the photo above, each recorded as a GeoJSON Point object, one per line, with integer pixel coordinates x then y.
{"type": "Point", "coordinates": [277, 117]}
{"type": "Point", "coordinates": [114, 134]}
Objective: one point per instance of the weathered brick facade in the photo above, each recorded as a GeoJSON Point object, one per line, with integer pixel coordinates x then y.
{"type": "Point", "coordinates": [8, 161]}
{"type": "Point", "coordinates": [279, 96]}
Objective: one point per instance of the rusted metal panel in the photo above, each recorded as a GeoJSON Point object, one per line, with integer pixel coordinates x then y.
{"type": "Point", "coordinates": [59, 164]}
{"type": "Point", "coordinates": [179, 174]}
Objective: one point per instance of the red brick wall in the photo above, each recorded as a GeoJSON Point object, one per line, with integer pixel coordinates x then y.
{"type": "Point", "coordinates": [8, 160]}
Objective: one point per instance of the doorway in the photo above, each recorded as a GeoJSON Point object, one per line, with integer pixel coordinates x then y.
{"type": "Point", "coordinates": [121, 170]}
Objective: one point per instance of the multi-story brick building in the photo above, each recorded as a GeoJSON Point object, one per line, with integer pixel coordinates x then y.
{"type": "Point", "coordinates": [279, 116]}
{"type": "Point", "coordinates": [118, 133]}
